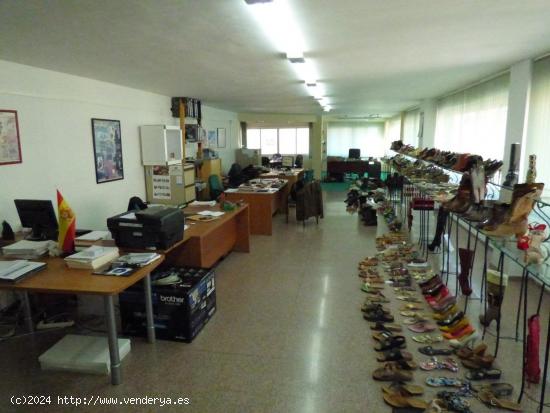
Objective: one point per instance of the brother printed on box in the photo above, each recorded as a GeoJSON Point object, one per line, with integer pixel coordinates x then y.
{"type": "Point", "coordinates": [152, 228]}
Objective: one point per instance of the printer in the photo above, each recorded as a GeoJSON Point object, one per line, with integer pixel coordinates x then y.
{"type": "Point", "coordinates": [151, 228]}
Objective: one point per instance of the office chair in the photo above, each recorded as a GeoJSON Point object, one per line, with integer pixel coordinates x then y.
{"type": "Point", "coordinates": [215, 187]}
{"type": "Point", "coordinates": [265, 161]}
{"type": "Point", "coordinates": [299, 161]}
{"type": "Point", "coordinates": [136, 202]}
{"type": "Point", "coordinates": [235, 175]}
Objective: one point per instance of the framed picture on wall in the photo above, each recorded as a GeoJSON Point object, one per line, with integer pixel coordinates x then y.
{"type": "Point", "coordinates": [107, 150]}
{"type": "Point", "coordinates": [10, 146]}
{"type": "Point", "coordinates": [221, 137]}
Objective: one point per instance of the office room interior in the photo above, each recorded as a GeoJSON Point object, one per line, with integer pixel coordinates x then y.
{"type": "Point", "coordinates": [274, 206]}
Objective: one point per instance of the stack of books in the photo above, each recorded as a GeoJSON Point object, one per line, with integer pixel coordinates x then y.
{"type": "Point", "coordinates": [92, 257]}
{"type": "Point", "coordinates": [26, 249]}
{"type": "Point", "coordinates": [89, 239]}
{"type": "Point", "coordinates": [138, 259]}
{"type": "Point", "coordinates": [14, 271]}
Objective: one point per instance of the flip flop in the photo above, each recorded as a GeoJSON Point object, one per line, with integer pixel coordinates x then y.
{"type": "Point", "coordinates": [386, 327]}
{"type": "Point", "coordinates": [394, 355]}
{"type": "Point", "coordinates": [484, 374]}
{"type": "Point", "coordinates": [430, 351]}
{"type": "Point", "coordinates": [382, 335]}
{"type": "Point", "coordinates": [373, 307]}
{"type": "Point", "coordinates": [414, 320]}
{"type": "Point", "coordinates": [427, 339]}
{"type": "Point", "coordinates": [443, 382]}
{"type": "Point", "coordinates": [421, 327]}
{"type": "Point", "coordinates": [378, 315]}
{"type": "Point", "coordinates": [491, 400]}
{"type": "Point", "coordinates": [412, 389]}
{"type": "Point", "coordinates": [397, 400]}
{"type": "Point", "coordinates": [408, 298]}
{"type": "Point", "coordinates": [390, 373]}
{"type": "Point", "coordinates": [498, 389]}
{"type": "Point", "coordinates": [412, 306]}
{"type": "Point", "coordinates": [411, 313]}
{"type": "Point", "coordinates": [391, 343]}
{"type": "Point", "coordinates": [368, 288]}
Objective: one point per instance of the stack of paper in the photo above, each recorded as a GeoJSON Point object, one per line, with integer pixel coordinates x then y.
{"type": "Point", "coordinates": [203, 203]}
{"type": "Point", "coordinates": [89, 239]}
{"type": "Point", "coordinates": [92, 257]}
{"type": "Point", "coordinates": [138, 259]}
{"type": "Point", "coordinates": [14, 271]}
{"type": "Point", "coordinates": [26, 249]}
{"type": "Point", "coordinates": [211, 213]}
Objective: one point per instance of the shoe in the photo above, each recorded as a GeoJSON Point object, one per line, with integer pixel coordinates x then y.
{"type": "Point", "coordinates": [452, 319]}
{"type": "Point", "coordinates": [464, 341]}
{"type": "Point", "coordinates": [466, 261]}
{"type": "Point", "coordinates": [459, 325]}
{"type": "Point", "coordinates": [494, 295]}
{"type": "Point", "coordinates": [458, 334]}
{"type": "Point", "coordinates": [442, 315]}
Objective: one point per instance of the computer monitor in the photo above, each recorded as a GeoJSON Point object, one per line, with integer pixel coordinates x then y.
{"type": "Point", "coordinates": [38, 215]}
{"type": "Point", "coordinates": [354, 154]}
{"type": "Point", "coordinates": [287, 162]}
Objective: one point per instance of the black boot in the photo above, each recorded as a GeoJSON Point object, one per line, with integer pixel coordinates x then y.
{"type": "Point", "coordinates": [442, 216]}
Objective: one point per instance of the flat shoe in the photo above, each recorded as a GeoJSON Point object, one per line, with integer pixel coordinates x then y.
{"type": "Point", "coordinates": [411, 389]}
{"type": "Point", "coordinates": [498, 389]}
{"type": "Point", "coordinates": [390, 373]}
{"type": "Point", "coordinates": [391, 343]}
{"type": "Point", "coordinates": [394, 355]}
{"type": "Point", "coordinates": [427, 339]}
{"type": "Point", "coordinates": [421, 327]}
{"type": "Point", "coordinates": [491, 400]}
{"type": "Point", "coordinates": [484, 374]}
{"type": "Point", "coordinates": [430, 351]}
{"type": "Point", "coordinates": [443, 382]}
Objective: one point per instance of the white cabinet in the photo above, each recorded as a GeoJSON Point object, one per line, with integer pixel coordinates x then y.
{"type": "Point", "coordinates": [161, 145]}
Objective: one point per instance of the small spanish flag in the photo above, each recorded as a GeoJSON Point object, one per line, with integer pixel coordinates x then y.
{"type": "Point", "coordinates": [67, 224]}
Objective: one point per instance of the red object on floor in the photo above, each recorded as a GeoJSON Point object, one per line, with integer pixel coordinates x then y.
{"type": "Point", "coordinates": [532, 365]}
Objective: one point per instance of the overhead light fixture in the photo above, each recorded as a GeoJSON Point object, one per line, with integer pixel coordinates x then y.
{"type": "Point", "coordinates": [295, 57]}
{"type": "Point", "coordinates": [257, 1]}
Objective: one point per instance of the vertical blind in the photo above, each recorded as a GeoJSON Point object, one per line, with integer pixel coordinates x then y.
{"type": "Point", "coordinates": [368, 137]}
{"type": "Point", "coordinates": [392, 131]}
{"type": "Point", "coordinates": [538, 130]}
{"type": "Point", "coordinates": [474, 120]}
{"type": "Point", "coordinates": [411, 125]}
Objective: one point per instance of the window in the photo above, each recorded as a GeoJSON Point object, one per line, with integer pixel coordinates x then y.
{"type": "Point", "coordinates": [474, 120]}
{"type": "Point", "coordinates": [411, 126]}
{"type": "Point", "coordinates": [368, 137]}
{"type": "Point", "coordinates": [286, 141]}
{"type": "Point", "coordinates": [392, 131]}
{"type": "Point", "coordinates": [538, 129]}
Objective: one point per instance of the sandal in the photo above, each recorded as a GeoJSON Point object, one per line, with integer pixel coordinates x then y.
{"type": "Point", "coordinates": [479, 362]}
{"type": "Point", "coordinates": [370, 288]}
{"type": "Point", "coordinates": [415, 320]}
{"type": "Point", "coordinates": [404, 364]}
{"type": "Point", "coordinates": [484, 374]}
{"type": "Point", "coordinates": [391, 373]}
{"type": "Point", "coordinates": [498, 389]}
{"type": "Point", "coordinates": [410, 389]}
{"type": "Point", "coordinates": [412, 306]}
{"type": "Point", "coordinates": [430, 351]}
{"type": "Point", "coordinates": [386, 327]}
{"type": "Point", "coordinates": [382, 335]}
{"type": "Point", "coordinates": [434, 364]}
{"type": "Point", "coordinates": [367, 307]}
{"type": "Point", "coordinates": [467, 352]}
{"type": "Point", "coordinates": [454, 402]}
{"type": "Point", "coordinates": [436, 406]}
{"type": "Point", "coordinates": [411, 313]}
{"type": "Point", "coordinates": [421, 327]}
{"type": "Point", "coordinates": [493, 401]}
{"type": "Point", "coordinates": [409, 298]}
{"type": "Point", "coordinates": [397, 342]}
{"type": "Point", "coordinates": [398, 400]}
{"type": "Point", "coordinates": [394, 355]}
{"type": "Point", "coordinates": [378, 315]}
{"type": "Point", "coordinates": [443, 382]}
{"type": "Point", "coordinates": [427, 339]}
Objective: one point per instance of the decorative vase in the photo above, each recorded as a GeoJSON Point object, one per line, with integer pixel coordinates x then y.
{"type": "Point", "coordinates": [532, 171]}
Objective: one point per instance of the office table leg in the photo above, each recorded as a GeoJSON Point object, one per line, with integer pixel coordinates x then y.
{"type": "Point", "coordinates": [27, 311]}
{"type": "Point", "coordinates": [149, 309]}
{"type": "Point", "coordinates": [116, 375]}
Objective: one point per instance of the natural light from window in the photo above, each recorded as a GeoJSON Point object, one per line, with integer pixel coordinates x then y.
{"type": "Point", "coordinates": [286, 141]}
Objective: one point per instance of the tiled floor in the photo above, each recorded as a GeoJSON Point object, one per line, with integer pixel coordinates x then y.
{"type": "Point", "coordinates": [288, 336]}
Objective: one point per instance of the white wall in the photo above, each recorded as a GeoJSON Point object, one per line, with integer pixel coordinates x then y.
{"type": "Point", "coordinates": [55, 112]}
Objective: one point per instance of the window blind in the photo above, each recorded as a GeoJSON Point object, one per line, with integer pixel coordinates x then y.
{"type": "Point", "coordinates": [368, 137]}
{"type": "Point", "coordinates": [474, 120]}
{"type": "Point", "coordinates": [411, 125]}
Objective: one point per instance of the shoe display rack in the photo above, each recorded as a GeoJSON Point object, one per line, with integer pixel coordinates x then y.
{"type": "Point", "coordinates": [416, 185]}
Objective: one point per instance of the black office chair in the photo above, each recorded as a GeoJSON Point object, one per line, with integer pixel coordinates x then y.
{"type": "Point", "coordinates": [299, 161]}
{"type": "Point", "coordinates": [136, 203]}
{"type": "Point", "coordinates": [235, 175]}
{"type": "Point", "coordinates": [265, 161]}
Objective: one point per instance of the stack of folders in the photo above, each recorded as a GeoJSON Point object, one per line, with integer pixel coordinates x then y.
{"type": "Point", "coordinates": [26, 249]}
{"type": "Point", "coordinates": [14, 271]}
{"type": "Point", "coordinates": [92, 257]}
{"type": "Point", "coordinates": [89, 239]}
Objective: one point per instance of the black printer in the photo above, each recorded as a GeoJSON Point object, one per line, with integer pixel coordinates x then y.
{"type": "Point", "coordinates": [151, 228]}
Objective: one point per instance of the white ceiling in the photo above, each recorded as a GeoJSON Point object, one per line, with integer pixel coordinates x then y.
{"type": "Point", "coordinates": [372, 56]}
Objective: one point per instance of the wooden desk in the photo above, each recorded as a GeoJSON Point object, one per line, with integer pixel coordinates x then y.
{"type": "Point", "coordinates": [59, 279]}
{"type": "Point", "coordinates": [338, 169]}
{"type": "Point", "coordinates": [263, 205]}
{"type": "Point", "coordinates": [205, 243]}
{"type": "Point", "coordinates": [292, 176]}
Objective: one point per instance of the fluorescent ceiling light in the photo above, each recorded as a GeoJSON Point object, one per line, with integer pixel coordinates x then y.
{"type": "Point", "coordinates": [276, 20]}
{"type": "Point", "coordinates": [327, 108]}
{"type": "Point", "coordinates": [257, 1]}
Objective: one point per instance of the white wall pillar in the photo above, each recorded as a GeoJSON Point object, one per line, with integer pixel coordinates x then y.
{"type": "Point", "coordinates": [429, 108]}
{"type": "Point", "coordinates": [518, 112]}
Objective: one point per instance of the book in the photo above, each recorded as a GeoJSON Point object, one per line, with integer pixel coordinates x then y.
{"type": "Point", "coordinates": [20, 272]}
{"type": "Point", "coordinates": [92, 257]}
{"type": "Point", "coordinates": [26, 249]}
{"type": "Point", "coordinates": [89, 239]}
{"type": "Point", "coordinates": [137, 259]}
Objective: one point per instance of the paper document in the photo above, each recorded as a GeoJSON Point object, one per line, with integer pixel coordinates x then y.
{"type": "Point", "coordinates": [29, 267]}
{"type": "Point", "coordinates": [27, 246]}
{"type": "Point", "coordinates": [7, 267]}
{"type": "Point", "coordinates": [231, 190]}
{"type": "Point", "coordinates": [211, 213]}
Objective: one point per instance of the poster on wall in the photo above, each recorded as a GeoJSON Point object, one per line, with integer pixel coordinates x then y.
{"type": "Point", "coordinates": [212, 138]}
{"type": "Point", "coordinates": [10, 147]}
{"type": "Point", "coordinates": [161, 182]}
{"type": "Point", "coordinates": [221, 137]}
{"type": "Point", "coordinates": [107, 150]}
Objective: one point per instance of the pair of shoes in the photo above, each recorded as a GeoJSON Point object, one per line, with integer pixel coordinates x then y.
{"type": "Point", "coordinates": [435, 364]}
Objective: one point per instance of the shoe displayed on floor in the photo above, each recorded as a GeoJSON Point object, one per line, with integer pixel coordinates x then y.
{"type": "Point", "coordinates": [378, 315]}
{"type": "Point", "coordinates": [411, 389]}
{"type": "Point", "coordinates": [457, 326]}
{"type": "Point", "coordinates": [397, 342]}
{"type": "Point", "coordinates": [451, 320]}
{"type": "Point", "coordinates": [386, 327]}
{"type": "Point", "coordinates": [422, 327]}
{"type": "Point", "coordinates": [391, 373]}
{"type": "Point", "coordinates": [487, 397]}
{"type": "Point", "coordinates": [442, 315]}
{"type": "Point", "coordinates": [484, 374]}
{"type": "Point", "coordinates": [430, 351]}
{"type": "Point", "coordinates": [458, 334]}
{"type": "Point", "coordinates": [464, 341]}
{"type": "Point", "coordinates": [427, 339]}
{"type": "Point", "coordinates": [443, 382]}
{"type": "Point", "coordinates": [435, 364]}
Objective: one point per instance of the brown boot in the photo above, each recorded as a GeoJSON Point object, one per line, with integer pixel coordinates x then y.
{"type": "Point", "coordinates": [494, 296]}
{"type": "Point", "coordinates": [496, 216]}
{"type": "Point", "coordinates": [466, 257]}
{"type": "Point", "coordinates": [463, 199]}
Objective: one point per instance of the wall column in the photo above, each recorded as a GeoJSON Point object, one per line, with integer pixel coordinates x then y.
{"type": "Point", "coordinates": [429, 108]}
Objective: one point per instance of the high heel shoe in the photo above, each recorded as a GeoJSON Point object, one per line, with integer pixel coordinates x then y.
{"type": "Point", "coordinates": [468, 340]}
